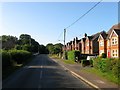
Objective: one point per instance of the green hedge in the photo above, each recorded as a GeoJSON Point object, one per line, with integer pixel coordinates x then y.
{"type": "Point", "coordinates": [19, 56]}
{"type": "Point", "coordinates": [107, 65]}
{"type": "Point", "coordinates": [5, 59]}
{"type": "Point", "coordinates": [73, 54]}
{"type": "Point", "coordinates": [85, 62]}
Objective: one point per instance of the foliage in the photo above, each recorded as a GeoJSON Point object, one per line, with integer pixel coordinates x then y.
{"type": "Point", "coordinates": [72, 55]}
{"type": "Point", "coordinates": [43, 49]}
{"type": "Point", "coordinates": [108, 65]}
{"type": "Point", "coordinates": [18, 47]}
{"type": "Point", "coordinates": [5, 59]}
{"type": "Point", "coordinates": [85, 62]}
{"type": "Point", "coordinates": [104, 55]}
{"type": "Point", "coordinates": [27, 47]}
{"type": "Point", "coordinates": [19, 56]}
{"type": "Point", "coordinates": [54, 49]}
{"type": "Point", "coordinates": [58, 48]}
{"type": "Point", "coordinates": [50, 48]}
{"type": "Point", "coordinates": [8, 42]}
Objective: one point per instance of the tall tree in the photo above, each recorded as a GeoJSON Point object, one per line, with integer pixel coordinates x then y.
{"type": "Point", "coordinates": [58, 48]}
{"type": "Point", "coordinates": [24, 39]}
{"type": "Point", "coordinates": [8, 42]}
{"type": "Point", "coordinates": [50, 48]}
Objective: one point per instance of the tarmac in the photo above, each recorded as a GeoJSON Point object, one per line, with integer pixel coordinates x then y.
{"type": "Point", "coordinates": [91, 79]}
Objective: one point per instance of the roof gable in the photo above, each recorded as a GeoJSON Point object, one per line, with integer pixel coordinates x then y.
{"type": "Point", "coordinates": [100, 37]}
{"type": "Point", "coordinates": [117, 26]}
{"type": "Point", "coordinates": [113, 34]}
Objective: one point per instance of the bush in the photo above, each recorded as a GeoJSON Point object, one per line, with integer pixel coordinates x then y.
{"type": "Point", "coordinates": [85, 62]}
{"type": "Point", "coordinates": [5, 59]}
{"type": "Point", "coordinates": [104, 55]}
{"type": "Point", "coordinates": [108, 65]}
{"type": "Point", "coordinates": [73, 54]}
{"type": "Point", "coordinates": [19, 56]}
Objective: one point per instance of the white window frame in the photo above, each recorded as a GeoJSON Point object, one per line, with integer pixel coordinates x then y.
{"type": "Point", "coordinates": [101, 43]}
{"type": "Point", "coordinates": [101, 51]}
{"type": "Point", "coordinates": [114, 53]}
{"type": "Point", "coordinates": [114, 41]}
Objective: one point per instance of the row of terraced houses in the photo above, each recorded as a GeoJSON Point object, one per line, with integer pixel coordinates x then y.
{"type": "Point", "coordinates": [101, 42]}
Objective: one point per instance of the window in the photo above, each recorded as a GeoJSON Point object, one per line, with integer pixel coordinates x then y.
{"type": "Point", "coordinates": [114, 41]}
{"type": "Point", "coordinates": [101, 43]}
{"type": "Point", "coordinates": [101, 51]}
{"type": "Point", "coordinates": [108, 42]}
{"type": "Point", "coordinates": [115, 53]}
{"type": "Point", "coordinates": [87, 43]}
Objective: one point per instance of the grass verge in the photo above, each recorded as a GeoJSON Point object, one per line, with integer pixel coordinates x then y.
{"type": "Point", "coordinates": [106, 75]}
{"type": "Point", "coordinates": [69, 61]}
{"type": "Point", "coordinates": [54, 56]}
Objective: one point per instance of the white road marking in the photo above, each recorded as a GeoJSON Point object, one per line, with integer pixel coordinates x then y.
{"type": "Point", "coordinates": [41, 72]}
{"type": "Point", "coordinates": [99, 81]}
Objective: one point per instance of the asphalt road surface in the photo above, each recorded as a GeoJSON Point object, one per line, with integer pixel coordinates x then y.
{"type": "Point", "coordinates": [43, 72]}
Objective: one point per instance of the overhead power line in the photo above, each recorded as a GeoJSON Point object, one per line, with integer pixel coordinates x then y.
{"type": "Point", "coordinates": [84, 14]}
{"type": "Point", "coordinates": [58, 39]}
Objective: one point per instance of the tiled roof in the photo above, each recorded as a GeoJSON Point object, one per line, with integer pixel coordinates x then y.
{"type": "Point", "coordinates": [104, 35]}
{"type": "Point", "coordinates": [117, 31]}
{"type": "Point", "coordinates": [117, 26]}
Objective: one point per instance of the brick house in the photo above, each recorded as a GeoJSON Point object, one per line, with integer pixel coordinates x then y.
{"type": "Point", "coordinates": [89, 44]}
{"type": "Point", "coordinates": [102, 43]}
{"type": "Point", "coordinates": [113, 50]}
{"type": "Point", "coordinates": [109, 42]}
{"type": "Point", "coordinates": [83, 45]}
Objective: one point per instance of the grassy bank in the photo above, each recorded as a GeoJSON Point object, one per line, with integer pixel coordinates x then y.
{"type": "Point", "coordinates": [106, 75]}
{"type": "Point", "coordinates": [54, 56]}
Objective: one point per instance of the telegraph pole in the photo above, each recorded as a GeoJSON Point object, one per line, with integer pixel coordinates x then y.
{"type": "Point", "coordinates": [64, 44]}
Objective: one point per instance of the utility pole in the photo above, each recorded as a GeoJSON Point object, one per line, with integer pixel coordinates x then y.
{"type": "Point", "coordinates": [64, 44]}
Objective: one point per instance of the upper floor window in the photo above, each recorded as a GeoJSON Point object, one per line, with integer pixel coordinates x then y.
{"type": "Point", "coordinates": [101, 43]}
{"type": "Point", "coordinates": [114, 41]}
{"type": "Point", "coordinates": [87, 43]}
{"type": "Point", "coordinates": [108, 43]}
{"type": "Point", "coordinates": [101, 51]}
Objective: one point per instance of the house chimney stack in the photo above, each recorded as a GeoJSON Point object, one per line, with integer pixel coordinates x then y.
{"type": "Point", "coordinates": [85, 35]}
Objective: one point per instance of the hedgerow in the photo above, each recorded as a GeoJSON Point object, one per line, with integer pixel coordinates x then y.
{"type": "Point", "coordinates": [108, 65]}
{"type": "Point", "coordinates": [18, 56]}
{"type": "Point", "coordinates": [72, 55]}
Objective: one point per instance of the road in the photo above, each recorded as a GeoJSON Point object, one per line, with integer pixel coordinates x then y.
{"type": "Point", "coordinates": [43, 72]}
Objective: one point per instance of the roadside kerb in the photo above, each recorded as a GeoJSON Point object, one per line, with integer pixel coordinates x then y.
{"type": "Point", "coordinates": [80, 77]}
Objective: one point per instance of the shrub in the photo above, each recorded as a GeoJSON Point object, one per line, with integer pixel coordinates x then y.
{"type": "Point", "coordinates": [19, 56]}
{"type": "Point", "coordinates": [85, 62]}
{"type": "Point", "coordinates": [108, 65]}
{"type": "Point", "coordinates": [73, 54]}
{"type": "Point", "coordinates": [5, 59]}
{"type": "Point", "coordinates": [104, 55]}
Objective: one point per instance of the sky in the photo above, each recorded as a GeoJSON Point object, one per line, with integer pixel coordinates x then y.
{"type": "Point", "coordinates": [45, 21]}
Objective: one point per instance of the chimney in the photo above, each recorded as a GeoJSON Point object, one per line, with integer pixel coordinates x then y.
{"type": "Point", "coordinates": [85, 35]}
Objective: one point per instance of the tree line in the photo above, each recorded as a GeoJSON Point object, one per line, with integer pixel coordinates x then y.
{"type": "Point", "coordinates": [26, 42]}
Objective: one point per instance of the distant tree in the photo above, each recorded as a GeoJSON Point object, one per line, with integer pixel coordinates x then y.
{"type": "Point", "coordinates": [43, 49]}
{"type": "Point", "coordinates": [50, 48]}
{"type": "Point", "coordinates": [58, 48]}
{"type": "Point", "coordinates": [18, 47]}
{"type": "Point", "coordinates": [24, 39]}
{"type": "Point", "coordinates": [8, 42]}
{"type": "Point", "coordinates": [27, 47]}
{"type": "Point", "coordinates": [28, 43]}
